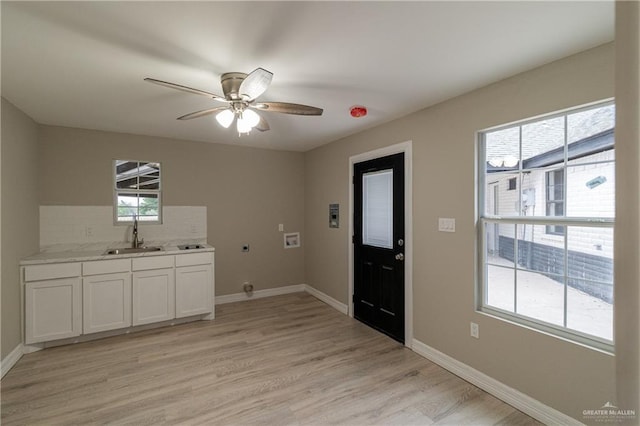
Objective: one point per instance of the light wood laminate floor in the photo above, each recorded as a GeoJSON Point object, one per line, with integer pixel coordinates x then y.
{"type": "Point", "coordinates": [284, 360]}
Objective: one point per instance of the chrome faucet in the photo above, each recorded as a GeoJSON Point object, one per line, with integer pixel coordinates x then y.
{"type": "Point", "coordinates": [136, 243]}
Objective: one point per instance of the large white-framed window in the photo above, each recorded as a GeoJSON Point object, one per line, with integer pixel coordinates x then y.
{"type": "Point", "coordinates": [546, 249]}
{"type": "Point", "coordinates": [136, 191]}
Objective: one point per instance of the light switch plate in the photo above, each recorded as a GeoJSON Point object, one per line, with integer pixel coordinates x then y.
{"type": "Point", "coordinates": [446, 224]}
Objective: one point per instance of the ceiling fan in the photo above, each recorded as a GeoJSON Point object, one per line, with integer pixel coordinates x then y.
{"type": "Point", "coordinates": [240, 93]}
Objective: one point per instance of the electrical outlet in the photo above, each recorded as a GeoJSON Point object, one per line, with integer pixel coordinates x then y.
{"type": "Point", "coordinates": [194, 229]}
{"type": "Point", "coordinates": [88, 231]}
{"type": "Point", "coordinates": [245, 248]}
{"type": "Point", "coordinates": [475, 330]}
{"type": "Point", "coordinates": [281, 227]}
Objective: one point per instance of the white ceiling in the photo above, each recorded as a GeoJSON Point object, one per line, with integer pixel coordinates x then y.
{"type": "Point", "coordinates": [82, 64]}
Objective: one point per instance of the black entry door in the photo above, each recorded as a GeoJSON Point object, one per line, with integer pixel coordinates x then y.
{"type": "Point", "coordinates": [378, 291]}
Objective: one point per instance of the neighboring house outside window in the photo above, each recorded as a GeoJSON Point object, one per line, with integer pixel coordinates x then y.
{"type": "Point", "coordinates": [546, 248]}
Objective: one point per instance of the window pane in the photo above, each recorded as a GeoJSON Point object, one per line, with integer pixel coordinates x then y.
{"type": "Point", "coordinates": [148, 207]}
{"type": "Point", "coordinates": [127, 207]}
{"type": "Point", "coordinates": [499, 243]}
{"type": "Point", "coordinates": [499, 291]}
{"type": "Point", "coordinates": [539, 252]}
{"type": "Point", "coordinates": [591, 190]}
{"type": "Point", "coordinates": [144, 206]}
{"type": "Point", "coordinates": [502, 149]}
{"type": "Point", "coordinates": [583, 124]}
{"type": "Point", "coordinates": [126, 174]}
{"type": "Point", "coordinates": [590, 253]}
{"type": "Point", "coordinates": [540, 297]}
{"type": "Point", "coordinates": [500, 198]}
{"type": "Point", "coordinates": [377, 209]}
{"type": "Point", "coordinates": [590, 308]}
{"type": "Point", "coordinates": [543, 142]}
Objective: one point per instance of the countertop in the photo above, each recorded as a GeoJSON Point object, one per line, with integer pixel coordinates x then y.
{"type": "Point", "coordinates": [87, 252]}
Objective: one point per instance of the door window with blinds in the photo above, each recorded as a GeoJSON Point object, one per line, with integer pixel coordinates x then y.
{"type": "Point", "coordinates": [377, 206]}
{"type": "Point", "coordinates": [137, 191]}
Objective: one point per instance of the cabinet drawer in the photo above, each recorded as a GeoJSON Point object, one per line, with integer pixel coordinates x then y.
{"type": "Point", "coordinates": [194, 259]}
{"type": "Point", "coordinates": [106, 266]}
{"type": "Point", "coordinates": [51, 271]}
{"type": "Point", "coordinates": [155, 262]}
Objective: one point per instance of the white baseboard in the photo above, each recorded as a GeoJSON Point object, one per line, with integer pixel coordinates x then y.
{"type": "Point", "coordinates": [515, 398]}
{"type": "Point", "coordinates": [10, 360]}
{"type": "Point", "coordinates": [339, 306]}
{"type": "Point", "coordinates": [259, 294]}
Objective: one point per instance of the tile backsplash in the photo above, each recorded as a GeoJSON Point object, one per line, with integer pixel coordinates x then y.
{"type": "Point", "coordinates": [93, 224]}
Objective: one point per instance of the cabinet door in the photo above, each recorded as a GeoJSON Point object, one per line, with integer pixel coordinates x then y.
{"type": "Point", "coordinates": [193, 290]}
{"type": "Point", "coordinates": [154, 296]}
{"type": "Point", "coordinates": [53, 310]}
{"type": "Point", "coordinates": [106, 302]}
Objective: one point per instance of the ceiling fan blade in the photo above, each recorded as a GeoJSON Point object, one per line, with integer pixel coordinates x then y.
{"type": "Point", "coordinates": [201, 113]}
{"type": "Point", "coordinates": [288, 108]}
{"type": "Point", "coordinates": [262, 125]}
{"type": "Point", "coordinates": [255, 84]}
{"type": "Point", "coordinates": [186, 89]}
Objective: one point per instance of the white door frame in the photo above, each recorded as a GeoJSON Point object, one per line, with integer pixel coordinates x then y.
{"type": "Point", "coordinates": [403, 147]}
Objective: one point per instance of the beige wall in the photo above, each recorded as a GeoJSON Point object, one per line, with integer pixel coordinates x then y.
{"type": "Point", "coordinates": [562, 375]}
{"type": "Point", "coordinates": [20, 225]}
{"type": "Point", "coordinates": [247, 191]}
{"type": "Point", "coordinates": [627, 232]}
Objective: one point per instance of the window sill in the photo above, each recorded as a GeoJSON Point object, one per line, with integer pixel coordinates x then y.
{"type": "Point", "coordinates": [550, 330]}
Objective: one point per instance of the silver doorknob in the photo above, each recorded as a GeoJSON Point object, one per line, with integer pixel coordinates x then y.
{"type": "Point", "coordinates": [400, 256]}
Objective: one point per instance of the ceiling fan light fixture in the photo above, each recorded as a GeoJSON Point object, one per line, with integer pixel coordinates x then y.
{"type": "Point", "coordinates": [250, 117]}
{"type": "Point", "coordinates": [225, 118]}
{"type": "Point", "coordinates": [240, 92]}
{"type": "Point", "coordinates": [243, 125]}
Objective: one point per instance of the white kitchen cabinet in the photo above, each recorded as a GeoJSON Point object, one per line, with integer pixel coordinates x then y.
{"type": "Point", "coordinates": [74, 298]}
{"type": "Point", "coordinates": [106, 295]}
{"type": "Point", "coordinates": [194, 285]}
{"type": "Point", "coordinates": [53, 309]}
{"type": "Point", "coordinates": [154, 297]}
{"type": "Point", "coordinates": [106, 302]}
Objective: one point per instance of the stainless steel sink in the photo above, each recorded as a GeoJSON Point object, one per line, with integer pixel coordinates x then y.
{"type": "Point", "coordinates": [129, 250]}
{"type": "Point", "coordinates": [191, 246]}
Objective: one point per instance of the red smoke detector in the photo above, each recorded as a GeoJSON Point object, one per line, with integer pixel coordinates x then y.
{"type": "Point", "coordinates": [358, 111]}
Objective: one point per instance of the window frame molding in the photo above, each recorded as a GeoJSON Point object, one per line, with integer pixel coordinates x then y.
{"type": "Point", "coordinates": [116, 191]}
{"type": "Point", "coordinates": [482, 220]}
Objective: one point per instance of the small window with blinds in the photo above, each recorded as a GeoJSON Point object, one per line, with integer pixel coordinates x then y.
{"type": "Point", "coordinates": [377, 209]}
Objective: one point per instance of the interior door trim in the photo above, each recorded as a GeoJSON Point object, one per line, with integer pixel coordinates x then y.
{"type": "Point", "coordinates": [406, 148]}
